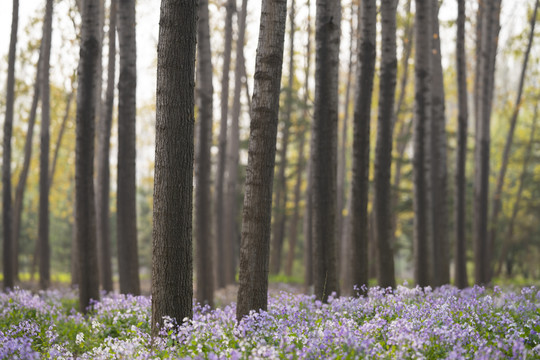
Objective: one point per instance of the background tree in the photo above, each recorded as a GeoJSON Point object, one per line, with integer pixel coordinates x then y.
{"type": "Point", "coordinates": [324, 147]}
{"type": "Point", "coordinates": [205, 283]}
{"type": "Point", "coordinates": [383, 150]}
{"type": "Point", "coordinates": [9, 268]}
{"type": "Point", "coordinates": [172, 265]}
{"type": "Point", "coordinates": [460, 254]}
{"type": "Point", "coordinates": [128, 262]}
{"type": "Point", "coordinates": [84, 169]}
{"type": "Point", "coordinates": [358, 256]}
{"type": "Point", "coordinates": [257, 213]}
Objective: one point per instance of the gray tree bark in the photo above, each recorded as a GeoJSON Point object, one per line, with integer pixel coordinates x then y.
{"type": "Point", "coordinates": [257, 213]}
{"type": "Point", "coordinates": [128, 263]}
{"type": "Point", "coordinates": [383, 150]}
{"type": "Point", "coordinates": [205, 275]}
{"type": "Point", "coordinates": [85, 216]}
{"type": "Point", "coordinates": [172, 260]}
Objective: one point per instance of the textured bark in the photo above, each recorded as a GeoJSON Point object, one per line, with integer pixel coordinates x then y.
{"type": "Point", "coordinates": [422, 161]}
{"type": "Point", "coordinates": [103, 162]}
{"type": "Point", "coordinates": [9, 266]}
{"type": "Point", "coordinates": [205, 275]}
{"type": "Point", "coordinates": [43, 226]}
{"type": "Point", "coordinates": [509, 238]}
{"type": "Point", "coordinates": [233, 155]}
{"type": "Point", "coordinates": [128, 263]}
{"type": "Point", "coordinates": [341, 235]}
{"type": "Point", "coordinates": [278, 233]}
{"type": "Point", "coordinates": [383, 149]}
{"type": "Point", "coordinates": [441, 253]}
{"type": "Point", "coordinates": [257, 213]}
{"type": "Point", "coordinates": [488, 48]}
{"type": "Point", "coordinates": [221, 260]}
{"type": "Point", "coordinates": [358, 256]}
{"type": "Point", "coordinates": [460, 201]}
{"type": "Point", "coordinates": [496, 201]}
{"type": "Point", "coordinates": [84, 149]}
{"type": "Point", "coordinates": [172, 260]}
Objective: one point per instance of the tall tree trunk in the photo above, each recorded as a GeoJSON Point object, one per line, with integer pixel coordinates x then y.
{"type": "Point", "coordinates": [9, 268]}
{"type": "Point", "coordinates": [422, 160]}
{"type": "Point", "coordinates": [257, 213]}
{"type": "Point", "coordinates": [60, 136]}
{"type": "Point", "coordinates": [221, 260]}
{"type": "Point", "coordinates": [21, 183]}
{"type": "Point", "coordinates": [460, 254]}
{"type": "Point", "coordinates": [128, 263]}
{"type": "Point", "coordinates": [172, 260]}
{"type": "Point", "coordinates": [367, 49]}
{"type": "Point", "coordinates": [509, 238]}
{"type": "Point", "coordinates": [84, 169]}
{"type": "Point", "coordinates": [489, 40]}
{"type": "Point", "coordinates": [341, 235]}
{"type": "Point", "coordinates": [441, 254]}
{"type": "Point", "coordinates": [233, 151]}
{"type": "Point", "coordinates": [496, 202]}
{"type": "Point", "coordinates": [103, 162]}
{"type": "Point", "coordinates": [205, 274]}
{"type": "Point", "coordinates": [281, 181]}
{"type": "Point", "coordinates": [383, 150]}
{"type": "Point", "coordinates": [43, 231]}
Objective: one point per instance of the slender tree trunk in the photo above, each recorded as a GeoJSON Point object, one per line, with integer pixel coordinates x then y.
{"type": "Point", "coordinates": [205, 274]}
{"type": "Point", "coordinates": [281, 181]}
{"type": "Point", "coordinates": [60, 136]}
{"type": "Point", "coordinates": [233, 155]}
{"type": "Point", "coordinates": [103, 162]}
{"type": "Point", "coordinates": [84, 169]}
{"type": "Point", "coordinates": [128, 263]}
{"type": "Point", "coordinates": [21, 183]}
{"type": "Point", "coordinates": [9, 268]}
{"type": "Point", "coordinates": [496, 202]}
{"type": "Point", "coordinates": [460, 255]}
{"type": "Point", "coordinates": [489, 38]}
{"type": "Point", "coordinates": [221, 260]}
{"type": "Point", "coordinates": [257, 213]}
{"type": "Point", "coordinates": [422, 161]}
{"type": "Point", "coordinates": [172, 261]}
{"type": "Point", "coordinates": [358, 256]}
{"type": "Point", "coordinates": [43, 231]}
{"type": "Point", "coordinates": [441, 254]}
{"type": "Point", "coordinates": [383, 150]}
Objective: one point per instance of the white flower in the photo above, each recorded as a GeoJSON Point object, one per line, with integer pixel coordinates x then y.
{"type": "Point", "coordinates": [95, 324]}
{"type": "Point", "coordinates": [80, 339]}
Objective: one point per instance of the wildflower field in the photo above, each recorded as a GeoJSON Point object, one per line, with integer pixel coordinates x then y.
{"type": "Point", "coordinates": [445, 323]}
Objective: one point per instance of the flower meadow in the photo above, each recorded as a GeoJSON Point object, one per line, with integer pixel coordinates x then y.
{"type": "Point", "coordinates": [445, 323]}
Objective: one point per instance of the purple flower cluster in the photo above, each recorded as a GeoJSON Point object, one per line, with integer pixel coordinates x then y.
{"type": "Point", "coordinates": [445, 323]}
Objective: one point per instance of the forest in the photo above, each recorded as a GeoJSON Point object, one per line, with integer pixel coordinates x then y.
{"type": "Point", "coordinates": [284, 179]}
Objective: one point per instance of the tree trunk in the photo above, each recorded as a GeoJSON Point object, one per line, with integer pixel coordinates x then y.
{"type": "Point", "coordinates": [496, 202]}
{"type": "Point", "coordinates": [358, 256]}
{"type": "Point", "coordinates": [205, 275]}
{"type": "Point", "coordinates": [422, 160]}
{"type": "Point", "coordinates": [9, 268]}
{"type": "Point", "coordinates": [172, 261]}
{"type": "Point", "coordinates": [43, 231]}
{"type": "Point", "coordinates": [489, 38]}
{"type": "Point", "coordinates": [281, 183]}
{"type": "Point", "coordinates": [441, 254]}
{"type": "Point", "coordinates": [383, 150]}
{"type": "Point", "coordinates": [103, 162]}
{"type": "Point", "coordinates": [128, 263]}
{"type": "Point", "coordinates": [257, 213]}
{"type": "Point", "coordinates": [460, 255]}
{"type": "Point", "coordinates": [84, 169]}
{"type": "Point", "coordinates": [221, 261]}
{"type": "Point", "coordinates": [509, 238]}
{"type": "Point", "coordinates": [233, 151]}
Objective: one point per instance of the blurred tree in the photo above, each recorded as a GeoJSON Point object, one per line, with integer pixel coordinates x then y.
{"type": "Point", "coordinates": [257, 213]}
